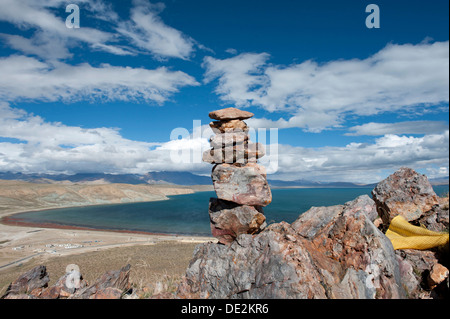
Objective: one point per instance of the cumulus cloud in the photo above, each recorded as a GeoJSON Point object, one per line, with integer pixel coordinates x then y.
{"type": "Point", "coordinates": [318, 96]}
{"type": "Point", "coordinates": [364, 161]}
{"type": "Point", "coordinates": [239, 78]}
{"type": "Point", "coordinates": [147, 31]}
{"type": "Point", "coordinates": [39, 146]}
{"type": "Point", "coordinates": [29, 78]}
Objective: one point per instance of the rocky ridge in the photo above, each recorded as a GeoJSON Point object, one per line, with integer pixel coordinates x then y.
{"type": "Point", "coordinates": [331, 252]}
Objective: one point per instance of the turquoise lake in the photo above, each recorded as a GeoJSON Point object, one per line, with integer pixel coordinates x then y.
{"type": "Point", "coordinates": [188, 214]}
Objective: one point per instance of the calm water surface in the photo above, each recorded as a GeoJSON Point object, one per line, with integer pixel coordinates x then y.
{"type": "Point", "coordinates": [188, 214]}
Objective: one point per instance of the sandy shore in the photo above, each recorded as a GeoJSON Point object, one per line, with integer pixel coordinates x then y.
{"type": "Point", "coordinates": [26, 245]}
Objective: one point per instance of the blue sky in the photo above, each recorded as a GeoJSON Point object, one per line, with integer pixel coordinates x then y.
{"type": "Point", "coordinates": [350, 103]}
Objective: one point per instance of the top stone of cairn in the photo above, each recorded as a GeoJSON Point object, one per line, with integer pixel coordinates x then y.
{"type": "Point", "coordinates": [230, 113]}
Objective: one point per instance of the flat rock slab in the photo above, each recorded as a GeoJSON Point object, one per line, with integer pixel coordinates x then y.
{"type": "Point", "coordinates": [244, 185]}
{"type": "Point", "coordinates": [230, 113]}
{"type": "Point", "coordinates": [241, 153]}
{"type": "Point", "coordinates": [228, 139]}
{"type": "Point", "coordinates": [228, 126]}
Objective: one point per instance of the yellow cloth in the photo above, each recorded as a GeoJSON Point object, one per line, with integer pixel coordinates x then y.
{"type": "Point", "coordinates": [403, 235]}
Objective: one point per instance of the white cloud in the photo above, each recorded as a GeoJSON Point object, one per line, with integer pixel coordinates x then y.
{"type": "Point", "coordinates": [319, 96]}
{"type": "Point", "coordinates": [148, 32]}
{"type": "Point", "coordinates": [144, 32]}
{"type": "Point", "coordinates": [42, 45]}
{"type": "Point", "coordinates": [51, 29]}
{"type": "Point", "coordinates": [238, 76]}
{"type": "Point", "coordinates": [231, 51]}
{"type": "Point", "coordinates": [29, 78]}
{"type": "Point", "coordinates": [56, 148]}
{"type": "Point", "coordinates": [409, 127]}
{"type": "Point", "coordinates": [358, 162]}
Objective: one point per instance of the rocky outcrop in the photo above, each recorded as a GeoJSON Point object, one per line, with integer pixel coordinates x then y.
{"type": "Point", "coordinates": [406, 193]}
{"type": "Point", "coordinates": [331, 252]}
{"type": "Point", "coordinates": [409, 194]}
{"type": "Point", "coordinates": [111, 285]}
{"type": "Point", "coordinates": [328, 252]}
{"type": "Point", "coordinates": [29, 285]}
{"type": "Point", "coordinates": [34, 285]}
{"type": "Point", "coordinates": [239, 182]}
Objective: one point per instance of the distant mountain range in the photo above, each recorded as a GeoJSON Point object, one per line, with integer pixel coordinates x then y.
{"type": "Point", "coordinates": [177, 178]}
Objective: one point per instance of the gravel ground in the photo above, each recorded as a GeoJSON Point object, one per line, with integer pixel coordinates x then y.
{"type": "Point", "coordinates": [154, 268]}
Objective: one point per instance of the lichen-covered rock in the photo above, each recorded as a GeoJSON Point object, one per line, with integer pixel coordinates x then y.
{"type": "Point", "coordinates": [406, 193]}
{"type": "Point", "coordinates": [245, 185]}
{"type": "Point", "coordinates": [28, 284]}
{"type": "Point", "coordinates": [34, 285]}
{"type": "Point", "coordinates": [230, 113]}
{"type": "Point", "coordinates": [61, 290]}
{"type": "Point", "coordinates": [415, 265]}
{"type": "Point", "coordinates": [436, 219]}
{"type": "Point", "coordinates": [119, 280]}
{"type": "Point", "coordinates": [229, 220]}
{"type": "Point", "coordinates": [329, 252]}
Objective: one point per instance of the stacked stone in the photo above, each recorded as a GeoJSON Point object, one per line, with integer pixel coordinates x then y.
{"type": "Point", "coordinates": [240, 183]}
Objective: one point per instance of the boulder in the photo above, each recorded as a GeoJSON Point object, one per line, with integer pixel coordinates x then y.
{"type": "Point", "coordinates": [229, 220]}
{"type": "Point", "coordinates": [437, 275]}
{"type": "Point", "coordinates": [230, 113]}
{"type": "Point", "coordinates": [405, 193]}
{"type": "Point", "coordinates": [245, 185]}
{"type": "Point", "coordinates": [329, 252]}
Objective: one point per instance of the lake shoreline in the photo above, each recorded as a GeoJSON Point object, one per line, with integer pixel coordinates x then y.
{"type": "Point", "coordinates": [8, 221]}
{"type": "Point", "coordinates": [21, 241]}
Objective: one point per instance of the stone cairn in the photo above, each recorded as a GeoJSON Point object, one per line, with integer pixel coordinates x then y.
{"type": "Point", "coordinates": [240, 183]}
